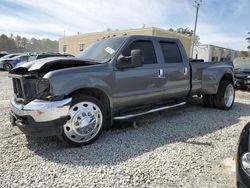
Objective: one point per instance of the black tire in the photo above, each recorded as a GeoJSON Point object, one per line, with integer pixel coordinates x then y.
{"type": "Point", "coordinates": [7, 67]}
{"type": "Point", "coordinates": [76, 100]}
{"type": "Point", "coordinates": [219, 98]}
{"type": "Point", "coordinates": [208, 100]}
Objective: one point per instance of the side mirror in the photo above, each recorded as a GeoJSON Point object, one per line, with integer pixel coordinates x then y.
{"type": "Point", "coordinates": [135, 60]}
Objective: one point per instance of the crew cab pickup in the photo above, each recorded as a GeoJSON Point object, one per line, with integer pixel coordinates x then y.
{"type": "Point", "coordinates": [113, 79]}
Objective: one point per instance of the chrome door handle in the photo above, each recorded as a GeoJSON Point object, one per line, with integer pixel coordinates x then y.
{"type": "Point", "coordinates": [160, 75]}
{"type": "Point", "coordinates": [185, 71]}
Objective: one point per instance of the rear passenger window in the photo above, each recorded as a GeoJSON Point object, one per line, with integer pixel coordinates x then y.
{"type": "Point", "coordinates": [147, 49]}
{"type": "Point", "coordinates": [171, 52]}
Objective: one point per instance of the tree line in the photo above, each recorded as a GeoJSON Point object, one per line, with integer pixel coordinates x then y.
{"type": "Point", "coordinates": [16, 44]}
{"type": "Point", "coordinates": [248, 40]}
{"type": "Point", "coordinates": [187, 32]}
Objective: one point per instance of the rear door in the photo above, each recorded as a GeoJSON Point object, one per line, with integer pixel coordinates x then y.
{"type": "Point", "coordinates": [176, 70]}
{"type": "Point", "coordinates": [140, 85]}
{"type": "Point", "coordinates": [21, 59]}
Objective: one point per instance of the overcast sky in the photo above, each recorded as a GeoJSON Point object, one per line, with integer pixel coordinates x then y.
{"type": "Point", "coordinates": [221, 22]}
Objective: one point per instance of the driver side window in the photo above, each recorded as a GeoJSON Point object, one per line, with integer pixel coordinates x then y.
{"type": "Point", "coordinates": [147, 49]}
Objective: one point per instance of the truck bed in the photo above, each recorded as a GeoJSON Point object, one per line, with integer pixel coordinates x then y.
{"type": "Point", "coordinates": [197, 68]}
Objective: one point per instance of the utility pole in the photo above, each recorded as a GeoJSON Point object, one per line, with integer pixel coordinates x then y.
{"type": "Point", "coordinates": [197, 6]}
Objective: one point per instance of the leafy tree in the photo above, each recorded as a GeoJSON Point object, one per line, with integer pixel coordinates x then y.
{"type": "Point", "coordinates": [248, 40]}
{"type": "Point", "coordinates": [171, 29]}
{"type": "Point", "coordinates": [7, 44]}
{"type": "Point", "coordinates": [22, 44]}
{"type": "Point", "coordinates": [18, 41]}
{"type": "Point", "coordinates": [187, 32]}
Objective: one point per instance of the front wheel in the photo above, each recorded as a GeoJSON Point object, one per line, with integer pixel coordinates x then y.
{"type": "Point", "coordinates": [7, 67]}
{"type": "Point", "coordinates": [224, 99]}
{"type": "Point", "coordinates": [87, 120]}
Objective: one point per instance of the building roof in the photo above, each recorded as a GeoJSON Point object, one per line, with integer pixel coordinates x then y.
{"type": "Point", "coordinates": [125, 31]}
{"type": "Point", "coordinates": [215, 46]}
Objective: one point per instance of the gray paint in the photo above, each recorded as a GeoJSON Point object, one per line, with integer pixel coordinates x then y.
{"type": "Point", "coordinates": [141, 85]}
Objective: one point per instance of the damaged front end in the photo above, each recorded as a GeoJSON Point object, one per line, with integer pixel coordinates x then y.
{"type": "Point", "coordinates": [34, 108]}
{"type": "Point", "coordinates": [29, 82]}
{"type": "Point", "coordinates": [29, 87]}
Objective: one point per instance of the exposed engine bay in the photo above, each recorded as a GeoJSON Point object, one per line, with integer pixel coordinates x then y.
{"type": "Point", "coordinates": [28, 82]}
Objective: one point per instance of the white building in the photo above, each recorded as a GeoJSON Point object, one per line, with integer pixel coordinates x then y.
{"type": "Point", "coordinates": [214, 53]}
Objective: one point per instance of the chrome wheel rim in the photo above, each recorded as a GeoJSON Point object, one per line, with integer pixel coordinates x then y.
{"type": "Point", "coordinates": [85, 120]}
{"type": "Point", "coordinates": [229, 95]}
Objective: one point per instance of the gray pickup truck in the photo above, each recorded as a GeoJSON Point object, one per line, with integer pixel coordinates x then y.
{"type": "Point", "coordinates": [113, 79]}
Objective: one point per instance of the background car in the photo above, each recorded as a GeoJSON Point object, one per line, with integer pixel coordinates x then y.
{"type": "Point", "coordinates": [3, 53]}
{"type": "Point", "coordinates": [8, 56]}
{"type": "Point", "coordinates": [243, 159]}
{"type": "Point", "coordinates": [48, 54]}
{"type": "Point", "coordinates": [242, 73]}
{"type": "Point", "coordinates": [8, 64]}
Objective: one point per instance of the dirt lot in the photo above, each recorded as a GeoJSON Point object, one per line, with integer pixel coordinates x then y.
{"type": "Point", "coordinates": [191, 146]}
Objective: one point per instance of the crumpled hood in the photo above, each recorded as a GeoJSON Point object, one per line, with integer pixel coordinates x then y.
{"type": "Point", "coordinates": [49, 64]}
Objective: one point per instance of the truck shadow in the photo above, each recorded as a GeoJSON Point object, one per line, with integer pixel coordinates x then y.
{"type": "Point", "coordinates": [127, 139]}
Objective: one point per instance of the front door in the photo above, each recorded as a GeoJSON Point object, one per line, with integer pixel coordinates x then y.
{"type": "Point", "coordinates": [140, 85]}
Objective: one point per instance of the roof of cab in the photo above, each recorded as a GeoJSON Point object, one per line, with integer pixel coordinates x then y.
{"type": "Point", "coordinates": [146, 37]}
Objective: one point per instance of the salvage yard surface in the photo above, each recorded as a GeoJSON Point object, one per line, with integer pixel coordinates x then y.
{"type": "Point", "coordinates": [193, 146]}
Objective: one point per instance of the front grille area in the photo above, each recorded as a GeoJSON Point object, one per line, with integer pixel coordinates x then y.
{"type": "Point", "coordinates": [17, 88]}
{"type": "Point", "coordinates": [24, 89]}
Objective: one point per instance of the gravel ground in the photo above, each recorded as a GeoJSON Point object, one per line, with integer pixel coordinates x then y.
{"type": "Point", "coordinates": [192, 146]}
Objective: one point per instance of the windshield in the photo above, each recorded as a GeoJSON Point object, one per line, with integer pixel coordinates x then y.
{"type": "Point", "coordinates": [242, 65]}
{"type": "Point", "coordinates": [102, 50]}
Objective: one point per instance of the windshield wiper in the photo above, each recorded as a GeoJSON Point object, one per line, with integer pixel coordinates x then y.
{"type": "Point", "coordinates": [106, 60]}
{"type": "Point", "coordinates": [96, 61]}
{"type": "Point", "coordinates": [91, 60]}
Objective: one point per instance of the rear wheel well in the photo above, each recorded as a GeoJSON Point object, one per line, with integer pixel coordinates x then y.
{"type": "Point", "coordinates": [227, 77]}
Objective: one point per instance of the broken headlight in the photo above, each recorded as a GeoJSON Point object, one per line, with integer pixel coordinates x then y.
{"type": "Point", "coordinates": [43, 89]}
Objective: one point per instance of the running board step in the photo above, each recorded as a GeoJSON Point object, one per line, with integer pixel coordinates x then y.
{"type": "Point", "coordinates": [147, 112]}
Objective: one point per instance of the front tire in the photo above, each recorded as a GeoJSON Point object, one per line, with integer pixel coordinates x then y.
{"type": "Point", "coordinates": [87, 120]}
{"type": "Point", "coordinates": [224, 99]}
{"type": "Point", "coordinates": [7, 67]}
